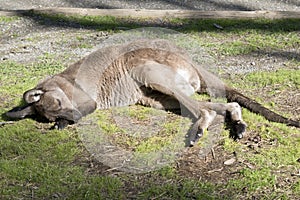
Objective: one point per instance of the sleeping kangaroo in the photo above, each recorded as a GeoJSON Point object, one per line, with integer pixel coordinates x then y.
{"type": "Point", "coordinates": [153, 73]}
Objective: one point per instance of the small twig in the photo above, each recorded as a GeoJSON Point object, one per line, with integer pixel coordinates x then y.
{"type": "Point", "coordinates": [8, 122]}
{"type": "Point", "coordinates": [213, 153]}
{"type": "Point", "coordinates": [215, 170]}
{"type": "Point", "coordinates": [158, 197]}
{"type": "Point", "coordinates": [293, 174]}
{"type": "Point", "coordinates": [112, 169]}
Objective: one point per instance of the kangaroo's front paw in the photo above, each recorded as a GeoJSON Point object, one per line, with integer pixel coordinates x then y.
{"type": "Point", "coordinates": [60, 124]}
{"type": "Point", "coordinates": [195, 137]}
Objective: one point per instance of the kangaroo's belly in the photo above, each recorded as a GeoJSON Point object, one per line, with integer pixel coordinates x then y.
{"type": "Point", "coordinates": [125, 91]}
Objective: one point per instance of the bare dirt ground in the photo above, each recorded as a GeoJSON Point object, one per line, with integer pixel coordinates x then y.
{"type": "Point", "coordinates": [291, 5]}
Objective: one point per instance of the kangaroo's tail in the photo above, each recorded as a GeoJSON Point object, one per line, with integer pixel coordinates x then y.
{"type": "Point", "coordinates": [234, 96]}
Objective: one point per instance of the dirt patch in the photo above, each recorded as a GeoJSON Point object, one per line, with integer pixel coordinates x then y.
{"type": "Point", "coordinates": [257, 61]}
{"type": "Point", "coordinates": [26, 41]}
{"type": "Point", "coordinates": [283, 101]}
{"type": "Point", "coordinates": [211, 168]}
{"type": "Point", "coordinates": [217, 167]}
{"type": "Point", "coordinates": [158, 4]}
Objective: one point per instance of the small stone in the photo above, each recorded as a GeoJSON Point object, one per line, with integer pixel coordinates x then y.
{"type": "Point", "coordinates": [218, 26]}
{"type": "Point", "coordinates": [55, 195]}
{"type": "Point", "coordinates": [230, 161]}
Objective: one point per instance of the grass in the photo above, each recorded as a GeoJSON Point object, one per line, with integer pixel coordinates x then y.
{"type": "Point", "coordinates": [38, 163]}
{"type": "Point", "coordinates": [275, 160]}
{"type": "Point", "coordinates": [283, 77]}
{"type": "Point", "coordinates": [187, 190]}
{"type": "Point", "coordinates": [5, 19]}
{"type": "Point", "coordinates": [281, 81]}
{"type": "Point", "coordinates": [35, 165]}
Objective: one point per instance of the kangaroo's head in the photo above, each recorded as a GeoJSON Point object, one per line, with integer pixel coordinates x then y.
{"type": "Point", "coordinates": [55, 98]}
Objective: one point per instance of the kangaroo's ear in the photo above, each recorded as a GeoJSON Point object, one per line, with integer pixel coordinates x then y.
{"type": "Point", "coordinates": [33, 95]}
{"type": "Point", "coordinates": [21, 112]}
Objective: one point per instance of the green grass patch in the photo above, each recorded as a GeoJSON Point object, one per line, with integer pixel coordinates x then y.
{"type": "Point", "coordinates": [253, 180]}
{"type": "Point", "coordinates": [277, 157]}
{"type": "Point", "coordinates": [186, 190]}
{"type": "Point", "coordinates": [35, 165]}
{"type": "Point", "coordinates": [27, 75]}
{"type": "Point", "coordinates": [7, 19]}
{"type": "Point", "coordinates": [141, 129]}
{"type": "Point", "coordinates": [271, 165]}
{"type": "Point", "coordinates": [191, 25]}
{"type": "Point", "coordinates": [284, 78]}
{"type": "Point", "coordinates": [17, 78]}
{"type": "Point", "coordinates": [273, 161]}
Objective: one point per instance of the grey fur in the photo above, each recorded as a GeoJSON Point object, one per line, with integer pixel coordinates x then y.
{"type": "Point", "coordinates": [134, 73]}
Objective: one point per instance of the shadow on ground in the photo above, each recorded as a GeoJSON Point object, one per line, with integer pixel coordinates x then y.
{"type": "Point", "coordinates": [108, 23]}
{"type": "Point", "coordinates": [188, 25]}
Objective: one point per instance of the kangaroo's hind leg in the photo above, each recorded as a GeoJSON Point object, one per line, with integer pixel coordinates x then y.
{"type": "Point", "coordinates": [165, 102]}
{"type": "Point", "coordinates": [234, 111]}
{"type": "Point", "coordinates": [159, 101]}
{"type": "Point", "coordinates": [216, 88]}
{"type": "Point", "coordinates": [166, 80]}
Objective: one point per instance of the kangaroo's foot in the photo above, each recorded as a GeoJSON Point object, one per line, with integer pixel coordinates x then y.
{"type": "Point", "coordinates": [237, 125]}
{"type": "Point", "coordinates": [197, 130]}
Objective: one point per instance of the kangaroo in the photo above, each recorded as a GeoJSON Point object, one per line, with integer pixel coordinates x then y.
{"type": "Point", "coordinates": [153, 73]}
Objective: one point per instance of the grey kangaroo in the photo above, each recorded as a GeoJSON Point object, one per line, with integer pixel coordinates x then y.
{"type": "Point", "coordinates": [153, 73]}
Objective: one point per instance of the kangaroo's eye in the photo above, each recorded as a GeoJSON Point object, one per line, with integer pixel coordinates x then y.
{"type": "Point", "coordinates": [58, 102]}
